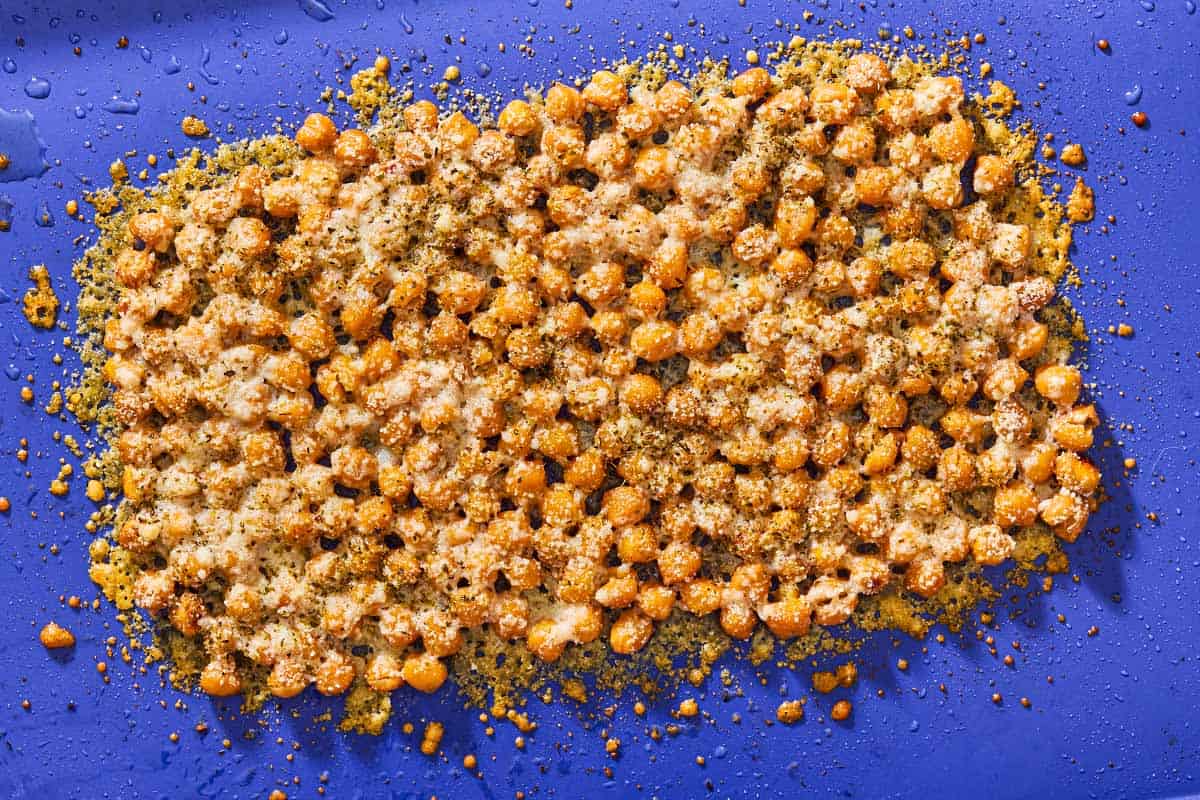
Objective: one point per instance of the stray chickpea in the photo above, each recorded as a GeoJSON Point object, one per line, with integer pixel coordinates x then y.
{"type": "Point", "coordinates": [318, 133]}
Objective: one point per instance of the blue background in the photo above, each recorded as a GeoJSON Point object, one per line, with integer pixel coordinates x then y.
{"type": "Point", "coordinates": [1120, 718]}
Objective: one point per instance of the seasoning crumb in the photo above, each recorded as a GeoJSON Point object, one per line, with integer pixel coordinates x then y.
{"type": "Point", "coordinates": [54, 636]}
{"type": "Point", "coordinates": [432, 738]}
{"type": "Point", "coordinates": [689, 708]}
{"type": "Point", "coordinates": [790, 712]}
{"type": "Point", "coordinates": [1072, 155]}
{"type": "Point", "coordinates": [1139, 118]}
{"type": "Point", "coordinates": [841, 710]}
{"type": "Point", "coordinates": [40, 302]}
{"type": "Point", "coordinates": [194, 127]}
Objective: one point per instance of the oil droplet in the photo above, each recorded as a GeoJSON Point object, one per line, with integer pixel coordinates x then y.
{"type": "Point", "coordinates": [79, 112]}
{"type": "Point", "coordinates": [172, 66]}
{"type": "Point", "coordinates": [316, 9]}
{"type": "Point", "coordinates": [121, 105]}
{"type": "Point", "coordinates": [9, 66]}
{"type": "Point", "coordinates": [483, 69]}
{"type": "Point", "coordinates": [281, 37]}
{"type": "Point", "coordinates": [12, 372]}
{"type": "Point", "coordinates": [43, 218]}
{"type": "Point", "coordinates": [19, 140]}
{"type": "Point", "coordinates": [379, 4]}
{"type": "Point", "coordinates": [1133, 95]}
{"type": "Point", "coordinates": [145, 53]}
{"type": "Point", "coordinates": [404, 23]}
{"type": "Point", "coordinates": [37, 88]}
{"type": "Point", "coordinates": [1190, 7]}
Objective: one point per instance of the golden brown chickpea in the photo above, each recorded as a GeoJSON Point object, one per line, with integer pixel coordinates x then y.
{"type": "Point", "coordinates": [751, 84]}
{"type": "Point", "coordinates": [1066, 514]}
{"type": "Point", "coordinates": [458, 132]}
{"type": "Point", "coordinates": [993, 174]}
{"type": "Point", "coordinates": [135, 268]}
{"type": "Point", "coordinates": [677, 562]}
{"type": "Point", "coordinates": [544, 642]}
{"type": "Point", "coordinates": [287, 678]}
{"type": "Point", "coordinates": [647, 298]}
{"type": "Point", "coordinates": [153, 228]}
{"type": "Point", "coordinates": [384, 672]}
{"type": "Point", "coordinates": [700, 596]}
{"type": "Point", "coordinates": [1059, 383]}
{"type": "Point", "coordinates": [317, 133]}
{"type": "Point", "coordinates": [249, 237]}
{"type": "Point", "coordinates": [787, 618]}
{"type": "Point", "coordinates": [642, 393]}
{"type": "Point", "coordinates": [952, 141]}
{"type": "Point", "coordinates": [586, 472]}
{"type": "Point", "coordinates": [334, 674]}
{"type": "Point", "coordinates": [654, 340]}
{"type": "Point", "coordinates": [654, 168]}
{"type": "Point", "coordinates": [565, 145]}
{"type": "Point", "coordinates": [517, 119]}
{"type": "Point", "coordinates": [637, 544]}
{"type": "Point", "coordinates": [219, 678]}
{"type": "Point", "coordinates": [626, 505]}
{"type": "Point", "coordinates": [1076, 474]}
{"type": "Point", "coordinates": [1014, 505]}
{"type": "Point", "coordinates": [673, 100]}
{"type": "Point", "coordinates": [606, 91]}
{"type": "Point", "coordinates": [867, 73]}
{"type": "Point", "coordinates": [794, 221]}
{"type": "Point", "coordinates": [354, 150]}
{"type": "Point", "coordinates": [424, 672]}
{"type": "Point", "coordinates": [421, 116]}
{"type": "Point", "coordinates": [656, 601]}
{"type": "Point", "coordinates": [630, 632]}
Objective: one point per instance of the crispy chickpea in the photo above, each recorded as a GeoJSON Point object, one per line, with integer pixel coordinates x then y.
{"type": "Point", "coordinates": [787, 618]}
{"type": "Point", "coordinates": [249, 237]}
{"type": "Point", "coordinates": [153, 228]}
{"type": "Point", "coordinates": [656, 601]}
{"type": "Point", "coordinates": [334, 674]}
{"type": "Point", "coordinates": [354, 150]}
{"type": "Point", "coordinates": [654, 168]}
{"type": "Point", "coordinates": [637, 544]}
{"type": "Point", "coordinates": [867, 73]}
{"type": "Point", "coordinates": [1014, 505]}
{"type": "Point", "coordinates": [673, 100]}
{"type": "Point", "coordinates": [586, 472]}
{"type": "Point", "coordinates": [647, 298]}
{"type": "Point", "coordinates": [1066, 514]}
{"type": "Point", "coordinates": [423, 672]}
{"type": "Point", "coordinates": [677, 562]}
{"type": "Point", "coordinates": [952, 141]}
{"type": "Point", "coordinates": [1059, 383]}
{"type": "Point", "coordinates": [993, 174]}
{"type": "Point", "coordinates": [563, 104]}
{"type": "Point", "coordinates": [384, 672]}
{"type": "Point", "coordinates": [606, 91]}
{"type": "Point", "coordinates": [544, 641]}
{"type": "Point", "coordinates": [219, 678]}
{"type": "Point", "coordinates": [517, 119]}
{"type": "Point", "coordinates": [626, 505]}
{"type": "Point", "coordinates": [618, 591]}
{"type": "Point", "coordinates": [794, 221]}
{"type": "Point", "coordinates": [287, 678]}
{"type": "Point", "coordinates": [421, 116]}
{"type": "Point", "coordinates": [654, 340]}
{"type": "Point", "coordinates": [752, 83]}
{"type": "Point", "coordinates": [700, 596]}
{"type": "Point", "coordinates": [317, 133]}
{"type": "Point", "coordinates": [642, 393]}
{"type": "Point", "coordinates": [630, 632]}
{"type": "Point", "coordinates": [135, 268]}
{"type": "Point", "coordinates": [458, 131]}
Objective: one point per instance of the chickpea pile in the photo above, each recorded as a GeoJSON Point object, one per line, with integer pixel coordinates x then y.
{"type": "Point", "coordinates": [755, 351]}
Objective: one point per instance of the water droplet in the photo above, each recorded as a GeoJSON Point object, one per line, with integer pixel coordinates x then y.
{"type": "Point", "coordinates": [404, 23]}
{"type": "Point", "coordinates": [1133, 95]}
{"type": "Point", "coordinates": [12, 372]}
{"type": "Point", "coordinates": [37, 88]}
{"type": "Point", "coordinates": [533, 3]}
{"type": "Point", "coordinates": [1147, 5]}
{"type": "Point", "coordinates": [172, 66]}
{"type": "Point", "coordinates": [1189, 6]}
{"type": "Point", "coordinates": [483, 69]}
{"type": "Point", "coordinates": [379, 4]}
{"type": "Point", "coordinates": [158, 16]}
{"type": "Point", "coordinates": [10, 66]}
{"type": "Point", "coordinates": [281, 37]}
{"type": "Point", "coordinates": [26, 150]}
{"type": "Point", "coordinates": [79, 112]}
{"type": "Point", "coordinates": [43, 218]}
{"type": "Point", "coordinates": [145, 53]}
{"type": "Point", "coordinates": [121, 105]}
{"type": "Point", "coordinates": [205, 57]}
{"type": "Point", "coordinates": [316, 9]}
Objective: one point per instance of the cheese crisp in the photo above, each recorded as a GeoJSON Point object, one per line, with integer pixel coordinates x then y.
{"type": "Point", "coordinates": [754, 349]}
